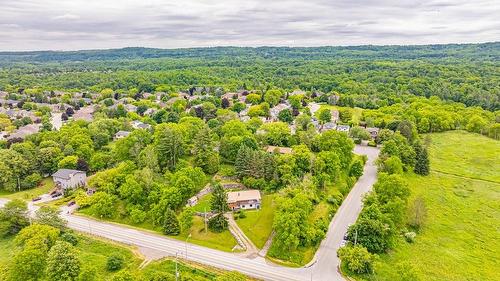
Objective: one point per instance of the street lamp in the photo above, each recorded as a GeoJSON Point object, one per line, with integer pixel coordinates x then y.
{"type": "Point", "coordinates": [186, 242]}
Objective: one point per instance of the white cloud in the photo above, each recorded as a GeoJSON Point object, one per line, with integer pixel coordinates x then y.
{"type": "Point", "coordinates": [83, 24]}
{"type": "Point", "coordinates": [67, 17]}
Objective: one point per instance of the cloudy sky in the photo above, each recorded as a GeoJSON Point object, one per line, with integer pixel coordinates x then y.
{"type": "Point", "coordinates": [95, 24]}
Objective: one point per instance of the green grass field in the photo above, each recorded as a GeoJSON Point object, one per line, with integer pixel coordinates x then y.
{"type": "Point", "coordinates": [258, 224]}
{"type": "Point", "coordinates": [460, 237]}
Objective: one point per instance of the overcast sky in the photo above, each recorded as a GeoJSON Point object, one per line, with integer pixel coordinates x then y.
{"type": "Point", "coordinates": [96, 24]}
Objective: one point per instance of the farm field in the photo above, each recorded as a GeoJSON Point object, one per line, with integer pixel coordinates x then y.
{"type": "Point", "coordinates": [459, 240]}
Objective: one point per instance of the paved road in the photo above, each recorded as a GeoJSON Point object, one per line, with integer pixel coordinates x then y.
{"type": "Point", "coordinates": [323, 269]}
{"type": "Point", "coordinates": [326, 262]}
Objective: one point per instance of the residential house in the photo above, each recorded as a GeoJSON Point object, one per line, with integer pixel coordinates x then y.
{"type": "Point", "coordinates": [121, 135]}
{"type": "Point", "coordinates": [85, 113]}
{"type": "Point", "coordinates": [278, 149]}
{"type": "Point", "coordinates": [328, 126]}
{"type": "Point", "coordinates": [343, 128]}
{"type": "Point", "coordinates": [25, 131]}
{"type": "Point", "coordinates": [373, 132]}
{"type": "Point", "coordinates": [277, 109]}
{"type": "Point", "coordinates": [67, 178]}
{"type": "Point", "coordinates": [245, 199]}
{"type": "Point", "coordinates": [136, 124]}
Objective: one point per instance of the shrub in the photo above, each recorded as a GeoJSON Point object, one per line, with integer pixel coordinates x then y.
{"type": "Point", "coordinates": [242, 214]}
{"type": "Point", "coordinates": [410, 236]}
{"type": "Point", "coordinates": [372, 144]}
{"type": "Point", "coordinates": [114, 262]}
{"type": "Point", "coordinates": [70, 238]}
{"type": "Point", "coordinates": [357, 259]}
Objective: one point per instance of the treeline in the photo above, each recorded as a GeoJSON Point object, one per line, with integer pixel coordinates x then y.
{"type": "Point", "coordinates": [485, 51]}
{"type": "Point", "coordinates": [381, 76]}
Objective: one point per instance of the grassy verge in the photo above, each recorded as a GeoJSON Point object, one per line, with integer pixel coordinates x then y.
{"type": "Point", "coordinates": [258, 224]}
{"type": "Point", "coordinates": [94, 252]}
{"type": "Point", "coordinates": [459, 240]}
{"type": "Point", "coordinates": [223, 241]}
{"type": "Point", "coordinates": [45, 186]}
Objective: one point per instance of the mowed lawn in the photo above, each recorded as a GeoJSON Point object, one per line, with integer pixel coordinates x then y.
{"type": "Point", "coordinates": [460, 239]}
{"type": "Point", "coordinates": [258, 224]}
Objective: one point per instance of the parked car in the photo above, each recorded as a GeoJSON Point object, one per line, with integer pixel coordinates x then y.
{"type": "Point", "coordinates": [36, 199]}
{"type": "Point", "coordinates": [71, 203]}
{"type": "Point", "coordinates": [57, 194]}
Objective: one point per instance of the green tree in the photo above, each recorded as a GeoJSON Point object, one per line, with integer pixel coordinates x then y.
{"type": "Point", "coordinates": [62, 262]}
{"type": "Point", "coordinates": [219, 206]}
{"type": "Point", "coordinates": [422, 163]}
{"type": "Point", "coordinates": [285, 116]}
{"type": "Point", "coordinates": [272, 97]}
{"type": "Point", "coordinates": [204, 153]}
{"type": "Point", "coordinates": [324, 115]}
{"type": "Point", "coordinates": [114, 262]}
{"type": "Point", "coordinates": [171, 223]}
{"type": "Point", "coordinates": [68, 162]}
{"type": "Point", "coordinates": [50, 216]}
{"type": "Point", "coordinates": [169, 145]}
{"type": "Point", "coordinates": [392, 165]}
{"type": "Point", "coordinates": [13, 217]}
{"type": "Point", "coordinates": [186, 219]}
{"type": "Point", "coordinates": [356, 259]}
{"type": "Point", "coordinates": [29, 263]}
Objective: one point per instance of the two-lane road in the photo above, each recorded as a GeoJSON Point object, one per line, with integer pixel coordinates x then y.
{"type": "Point", "coordinates": [325, 263]}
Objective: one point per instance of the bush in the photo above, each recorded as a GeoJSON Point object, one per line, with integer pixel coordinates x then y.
{"type": "Point", "coordinates": [357, 141]}
{"type": "Point", "coordinates": [114, 262]}
{"type": "Point", "coordinates": [70, 238]}
{"type": "Point", "coordinates": [372, 144]}
{"type": "Point", "coordinates": [356, 259]}
{"type": "Point", "coordinates": [410, 236]}
{"type": "Point", "coordinates": [137, 215]}
{"type": "Point", "coordinates": [242, 214]}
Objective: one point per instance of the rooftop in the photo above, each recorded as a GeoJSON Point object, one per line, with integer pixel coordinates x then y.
{"type": "Point", "coordinates": [244, 195]}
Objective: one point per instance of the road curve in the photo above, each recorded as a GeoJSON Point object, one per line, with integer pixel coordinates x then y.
{"type": "Point", "coordinates": [325, 263]}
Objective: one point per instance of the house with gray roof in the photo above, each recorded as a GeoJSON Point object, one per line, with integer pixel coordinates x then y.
{"type": "Point", "coordinates": [67, 178]}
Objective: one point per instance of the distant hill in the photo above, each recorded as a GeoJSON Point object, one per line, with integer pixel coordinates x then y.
{"type": "Point", "coordinates": [485, 51]}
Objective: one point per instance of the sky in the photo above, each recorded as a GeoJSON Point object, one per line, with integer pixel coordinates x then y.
{"type": "Point", "coordinates": [102, 24]}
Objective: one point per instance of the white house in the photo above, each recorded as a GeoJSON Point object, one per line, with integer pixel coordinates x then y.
{"type": "Point", "coordinates": [66, 178]}
{"type": "Point", "coordinates": [245, 199]}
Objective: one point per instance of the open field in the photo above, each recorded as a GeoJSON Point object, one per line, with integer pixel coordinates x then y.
{"type": "Point", "coordinates": [258, 224]}
{"type": "Point", "coordinates": [459, 240]}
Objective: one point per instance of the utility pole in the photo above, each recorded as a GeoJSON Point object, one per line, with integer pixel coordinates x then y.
{"type": "Point", "coordinates": [356, 238]}
{"type": "Point", "coordinates": [176, 272]}
{"type": "Point", "coordinates": [205, 220]}
{"type": "Point", "coordinates": [189, 236]}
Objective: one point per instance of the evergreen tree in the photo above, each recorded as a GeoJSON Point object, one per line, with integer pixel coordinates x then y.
{"type": "Point", "coordinates": [169, 145]}
{"type": "Point", "coordinates": [205, 156]}
{"type": "Point", "coordinates": [171, 223]}
{"type": "Point", "coordinates": [219, 205]}
{"type": "Point", "coordinates": [422, 165]}
{"type": "Point", "coordinates": [242, 161]}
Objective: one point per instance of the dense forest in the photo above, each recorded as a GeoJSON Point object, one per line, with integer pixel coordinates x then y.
{"type": "Point", "coordinates": [374, 76]}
